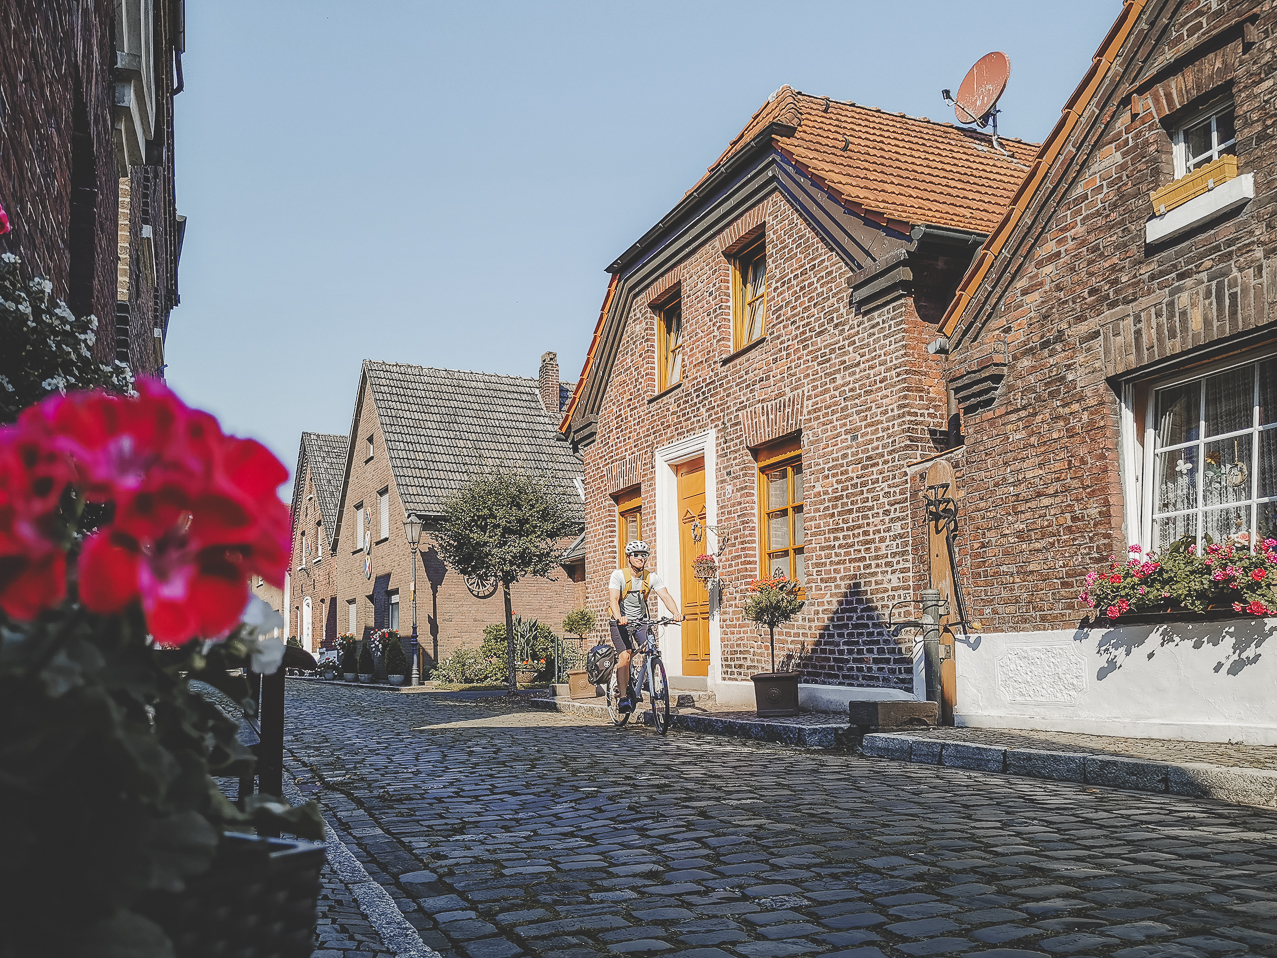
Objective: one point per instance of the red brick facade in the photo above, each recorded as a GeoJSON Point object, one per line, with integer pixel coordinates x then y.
{"type": "Point", "coordinates": [63, 168]}
{"type": "Point", "coordinates": [1080, 313]}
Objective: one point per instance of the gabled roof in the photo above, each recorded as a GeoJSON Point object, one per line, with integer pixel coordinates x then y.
{"type": "Point", "coordinates": [904, 168]}
{"type": "Point", "coordinates": [442, 426]}
{"type": "Point", "coordinates": [1046, 171]}
{"type": "Point", "coordinates": [325, 455]}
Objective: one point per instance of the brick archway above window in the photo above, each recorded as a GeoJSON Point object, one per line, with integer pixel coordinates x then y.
{"type": "Point", "coordinates": [1189, 78]}
{"type": "Point", "coordinates": [772, 420]}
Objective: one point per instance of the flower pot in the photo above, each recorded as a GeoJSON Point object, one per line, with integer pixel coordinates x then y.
{"type": "Point", "coordinates": [705, 570]}
{"type": "Point", "coordinates": [365, 677]}
{"type": "Point", "coordinates": [397, 679]}
{"type": "Point", "coordinates": [776, 694]}
{"type": "Point", "coordinates": [348, 676]}
{"type": "Point", "coordinates": [258, 898]}
{"type": "Point", "coordinates": [329, 674]}
{"type": "Point", "coordinates": [525, 678]}
{"type": "Point", "coordinates": [579, 685]}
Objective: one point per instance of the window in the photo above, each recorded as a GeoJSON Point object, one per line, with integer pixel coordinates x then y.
{"type": "Point", "coordinates": [360, 530]}
{"type": "Point", "coordinates": [305, 551]}
{"type": "Point", "coordinates": [383, 508]}
{"type": "Point", "coordinates": [669, 336]}
{"type": "Point", "coordinates": [1213, 456]}
{"type": "Point", "coordinates": [780, 486]}
{"type": "Point", "coordinates": [629, 520]}
{"type": "Point", "coordinates": [1205, 139]}
{"type": "Point", "coordinates": [350, 616]}
{"type": "Point", "coordinates": [369, 443]}
{"type": "Point", "coordinates": [319, 541]}
{"type": "Point", "coordinates": [393, 618]}
{"type": "Point", "coordinates": [749, 294]}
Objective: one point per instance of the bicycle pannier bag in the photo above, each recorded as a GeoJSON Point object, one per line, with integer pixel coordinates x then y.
{"type": "Point", "coordinates": [599, 662]}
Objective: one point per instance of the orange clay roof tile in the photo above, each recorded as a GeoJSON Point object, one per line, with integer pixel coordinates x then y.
{"type": "Point", "coordinates": [908, 169]}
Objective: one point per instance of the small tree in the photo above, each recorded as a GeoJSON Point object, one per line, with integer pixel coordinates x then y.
{"type": "Point", "coordinates": [772, 602]}
{"type": "Point", "coordinates": [579, 622]}
{"type": "Point", "coordinates": [366, 666]}
{"type": "Point", "coordinates": [504, 526]}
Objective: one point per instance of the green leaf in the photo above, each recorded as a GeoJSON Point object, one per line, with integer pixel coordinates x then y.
{"type": "Point", "coordinates": [126, 934]}
{"type": "Point", "coordinates": [179, 846]}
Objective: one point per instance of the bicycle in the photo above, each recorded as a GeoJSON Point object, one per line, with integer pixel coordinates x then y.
{"type": "Point", "coordinates": [650, 676]}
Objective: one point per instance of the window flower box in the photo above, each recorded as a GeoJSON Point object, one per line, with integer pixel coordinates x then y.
{"type": "Point", "coordinates": [1202, 180]}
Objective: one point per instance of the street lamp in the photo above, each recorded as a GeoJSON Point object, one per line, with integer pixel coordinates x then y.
{"type": "Point", "coordinates": [412, 531]}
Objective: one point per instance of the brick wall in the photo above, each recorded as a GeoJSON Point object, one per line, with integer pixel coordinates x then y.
{"type": "Point", "coordinates": [869, 399]}
{"type": "Point", "coordinates": [316, 580]}
{"type": "Point", "coordinates": [1041, 477]}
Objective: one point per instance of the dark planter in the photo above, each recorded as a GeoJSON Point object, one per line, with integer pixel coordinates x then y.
{"type": "Point", "coordinates": [776, 694]}
{"type": "Point", "coordinates": [258, 899]}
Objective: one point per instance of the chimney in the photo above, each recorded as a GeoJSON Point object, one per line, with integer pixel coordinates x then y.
{"type": "Point", "coordinates": [548, 382]}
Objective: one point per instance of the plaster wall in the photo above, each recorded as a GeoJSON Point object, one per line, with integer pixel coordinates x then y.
{"type": "Point", "coordinates": [1198, 681]}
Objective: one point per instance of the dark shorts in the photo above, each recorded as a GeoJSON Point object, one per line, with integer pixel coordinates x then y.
{"type": "Point", "coordinates": [624, 638]}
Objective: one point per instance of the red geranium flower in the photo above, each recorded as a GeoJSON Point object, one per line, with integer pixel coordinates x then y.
{"type": "Point", "coordinates": [1258, 574]}
{"type": "Point", "coordinates": [1257, 608]}
{"type": "Point", "coordinates": [32, 561]}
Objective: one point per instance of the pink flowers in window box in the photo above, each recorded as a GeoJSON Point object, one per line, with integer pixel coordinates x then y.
{"type": "Point", "coordinates": [191, 513]}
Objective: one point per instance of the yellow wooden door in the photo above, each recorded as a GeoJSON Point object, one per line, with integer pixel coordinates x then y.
{"type": "Point", "coordinates": [940, 474]}
{"type": "Point", "coordinates": [692, 541]}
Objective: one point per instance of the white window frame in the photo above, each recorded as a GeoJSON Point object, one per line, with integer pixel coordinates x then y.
{"type": "Point", "coordinates": [1140, 445]}
{"type": "Point", "coordinates": [392, 612]}
{"type": "Point", "coordinates": [319, 542]}
{"type": "Point", "coordinates": [383, 509]}
{"type": "Point", "coordinates": [360, 531]}
{"type": "Point", "coordinates": [1208, 115]}
{"type": "Point", "coordinates": [369, 441]}
{"type": "Point", "coordinates": [308, 627]}
{"type": "Point", "coordinates": [305, 552]}
{"type": "Point", "coordinates": [352, 616]}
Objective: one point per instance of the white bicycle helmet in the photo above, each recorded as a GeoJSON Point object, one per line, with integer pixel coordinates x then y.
{"type": "Point", "coordinates": [637, 548]}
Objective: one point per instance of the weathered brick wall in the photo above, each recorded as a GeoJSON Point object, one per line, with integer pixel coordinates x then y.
{"type": "Point", "coordinates": [448, 615]}
{"type": "Point", "coordinates": [54, 54]}
{"type": "Point", "coordinates": [870, 401]}
{"type": "Point", "coordinates": [1043, 496]}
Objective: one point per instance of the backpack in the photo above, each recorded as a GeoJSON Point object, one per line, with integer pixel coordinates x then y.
{"type": "Point", "coordinates": [599, 662]}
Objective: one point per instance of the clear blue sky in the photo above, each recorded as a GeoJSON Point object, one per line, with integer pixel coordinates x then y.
{"type": "Point", "coordinates": [444, 183]}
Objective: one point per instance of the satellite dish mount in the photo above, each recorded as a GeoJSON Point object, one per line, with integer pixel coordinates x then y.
{"type": "Point", "coordinates": [982, 87]}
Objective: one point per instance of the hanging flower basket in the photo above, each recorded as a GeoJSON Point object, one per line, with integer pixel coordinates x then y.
{"type": "Point", "coordinates": [704, 568]}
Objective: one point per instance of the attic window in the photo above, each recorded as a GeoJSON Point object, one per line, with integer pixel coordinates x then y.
{"type": "Point", "coordinates": [369, 442]}
{"type": "Point", "coordinates": [1206, 138]}
{"type": "Point", "coordinates": [669, 336]}
{"type": "Point", "coordinates": [749, 294]}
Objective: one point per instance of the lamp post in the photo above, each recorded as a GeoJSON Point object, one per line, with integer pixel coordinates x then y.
{"type": "Point", "coordinates": [412, 531]}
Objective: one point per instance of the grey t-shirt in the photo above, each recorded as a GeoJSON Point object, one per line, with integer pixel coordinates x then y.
{"type": "Point", "coordinates": [632, 606]}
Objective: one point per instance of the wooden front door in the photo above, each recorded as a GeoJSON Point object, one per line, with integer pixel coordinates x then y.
{"type": "Point", "coordinates": [940, 475]}
{"type": "Point", "coordinates": [693, 539]}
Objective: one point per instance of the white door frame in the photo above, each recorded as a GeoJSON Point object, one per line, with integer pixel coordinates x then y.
{"type": "Point", "coordinates": [669, 559]}
{"type": "Point", "coordinates": [308, 628]}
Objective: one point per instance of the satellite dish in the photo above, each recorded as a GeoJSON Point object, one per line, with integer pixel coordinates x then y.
{"type": "Point", "coordinates": [982, 87]}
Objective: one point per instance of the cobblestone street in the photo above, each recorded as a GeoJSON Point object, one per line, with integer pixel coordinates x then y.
{"type": "Point", "coordinates": [504, 832]}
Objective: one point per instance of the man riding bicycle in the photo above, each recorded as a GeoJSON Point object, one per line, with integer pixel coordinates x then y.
{"type": "Point", "coordinates": [628, 589]}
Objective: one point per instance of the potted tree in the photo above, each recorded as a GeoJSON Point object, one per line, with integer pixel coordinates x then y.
{"type": "Point", "coordinates": [773, 602]}
{"type": "Point", "coordinates": [393, 655]}
{"type": "Point", "coordinates": [367, 668]}
{"type": "Point", "coordinates": [349, 657]}
{"type": "Point", "coordinates": [579, 622]}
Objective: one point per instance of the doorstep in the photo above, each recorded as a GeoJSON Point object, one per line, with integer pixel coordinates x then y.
{"type": "Point", "coordinates": [820, 730]}
{"type": "Point", "coordinates": [1237, 774]}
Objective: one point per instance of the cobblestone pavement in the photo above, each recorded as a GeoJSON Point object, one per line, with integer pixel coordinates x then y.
{"type": "Point", "coordinates": [1155, 750]}
{"type": "Point", "coordinates": [343, 930]}
{"type": "Point", "coordinates": [503, 832]}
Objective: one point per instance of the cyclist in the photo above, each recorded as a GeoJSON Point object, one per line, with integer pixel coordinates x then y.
{"type": "Point", "coordinates": [628, 589]}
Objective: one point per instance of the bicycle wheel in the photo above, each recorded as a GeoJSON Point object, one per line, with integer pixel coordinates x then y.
{"type": "Point", "coordinates": [619, 718]}
{"type": "Point", "coordinates": [660, 692]}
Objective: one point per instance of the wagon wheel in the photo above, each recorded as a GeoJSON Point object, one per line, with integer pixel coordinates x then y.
{"type": "Point", "coordinates": [480, 587]}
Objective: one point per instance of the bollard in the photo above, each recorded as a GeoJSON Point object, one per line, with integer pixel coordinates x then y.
{"type": "Point", "coordinates": [933, 608]}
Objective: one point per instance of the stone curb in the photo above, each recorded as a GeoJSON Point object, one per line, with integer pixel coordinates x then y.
{"type": "Point", "coordinates": [760, 730]}
{"type": "Point", "coordinates": [1238, 786]}
{"type": "Point", "coordinates": [374, 901]}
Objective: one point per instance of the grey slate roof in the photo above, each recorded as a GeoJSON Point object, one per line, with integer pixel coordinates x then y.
{"type": "Point", "coordinates": [326, 454]}
{"type": "Point", "coordinates": [443, 425]}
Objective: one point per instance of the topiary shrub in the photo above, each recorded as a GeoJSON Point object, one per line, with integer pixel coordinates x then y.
{"type": "Point", "coordinates": [396, 661]}
{"type": "Point", "coordinates": [349, 657]}
{"type": "Point", "coordinates": [366, 665]}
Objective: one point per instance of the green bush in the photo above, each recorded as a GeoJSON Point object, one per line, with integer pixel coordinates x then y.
{"type": "Point", "coordinates": [529, 645]}
{"type": "Point", "coordinates": [469, 667]}
{"type": "Point", "coordinates": [396, 661]}
{"type": "Point", "coordinates": [349, 657]}
{"type": "Point", "coordinates": [366, 665]}
{"type": "Point", "coordinates": [579, 622]}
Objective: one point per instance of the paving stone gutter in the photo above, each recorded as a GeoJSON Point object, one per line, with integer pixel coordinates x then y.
{"type": "Point", "coordinates": [1237, 785]}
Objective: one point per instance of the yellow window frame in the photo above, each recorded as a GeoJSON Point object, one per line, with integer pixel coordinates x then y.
{"type": "Point", "coordinates": [785, 457]}
{"type": "Point", "coordinates": [749, 281]}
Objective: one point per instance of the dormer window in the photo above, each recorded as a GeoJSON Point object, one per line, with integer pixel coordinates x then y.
{"type": "Point", "coordinates": [1206, 138]}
